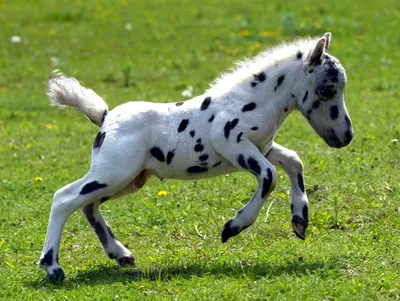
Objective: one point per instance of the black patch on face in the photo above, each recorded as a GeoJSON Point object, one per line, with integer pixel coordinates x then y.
{"type": "Point", "coordinates": [170, 155]}
{"type": "Point", "coordinates": [260, 77]}
{"type": "Point", "coordinates": [211, 118]}
{"type": "Point", "coordinates": [178, 104]}
{"type": "Point", "coordinates": [254, 128]}
{"type": "Point", "coordinates": [217, 164]}
{"type": "Point", "coordinates": [305, 97]}
{"type": "Point", "coordinates": [198, 147]}
{"type": "Point", "coordinates": [253, 84]}
{"type": "Point", "coordinates": [112, 255]}
{"type": "Point", "coordinates": [242, 161]}
{"type": "Point", "coordinates": [197, 169]}
{"type": "Point", "coordinates": [239, 137]}
{"type": "Point", "coordinates": [300, 181]}
{"type": "Point", "coordinates": [299, 55]}
{"type": "Point", "coordinates": [92, 186]}
{"type": "Point", "coordinates": [104, 116]}
{"type": "Point", "coordinates": [291, 208]}
{"type": "Point", "coordinates": [206, 102]}
{"type": "Point", "coordinates": [334, 112]}
{"type": "Point", "coordinates": [331, 71]}
{"type": "Point", "coordinates": [105, 199]}
{"type": "Point", "coordinates": [315, 104]}
{"type": "Point", "coordinates": [182, 126]}
{"type": "Point", "coordinates": [305, 212]}
{"type": "Point", "coordinates": [292, 95]}
{"type": "Point", "coordinates": [157, 153]}
{"type": "Point", "coordinates": [286, 109]}
{"type": "Point", "coordinates": [47, 259]}
{"type": "Point", "coordinates": [230, 125]}
{"type": "Point", "coordinates": [203, 157]}
{"type": "Point", "coordinates": [279, 81]}
{"type": "Point", "coordinates": [254, 166]}
{"type": "Point", "coordinates": [98, 141]}
{"type": "Point", "coordinates": [311, 71]}
{"type": "Point", "coordinates": [192, 133]}
{"type": "Point", "coordinates": [110, 232]}
{"type": "Point", "coordinates": [249, 107]}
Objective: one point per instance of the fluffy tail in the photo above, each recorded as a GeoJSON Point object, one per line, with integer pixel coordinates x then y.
{"type": "Point", "coordinates": [66, 91]}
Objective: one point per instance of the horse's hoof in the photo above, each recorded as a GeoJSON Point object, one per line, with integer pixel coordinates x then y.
{"type": "Point", "coordinates": [126, 260]}
{"type": "Point", "coordinates": [299, 226]}
{"type": "Point", "coordinates": [57, 275]}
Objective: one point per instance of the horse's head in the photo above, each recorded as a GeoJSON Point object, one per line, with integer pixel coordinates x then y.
{"type": "Point", "coordinates": [322, 101]}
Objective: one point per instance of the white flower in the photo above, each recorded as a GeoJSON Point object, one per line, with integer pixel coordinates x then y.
{"type": "Point", "coordinates": [16, 39]}
{"type": "Point", "coordinates": [128, 26]}
{"type": "Point", "coordinates": [187, 93]}
{"type": "Point", "coordinates": [54, 61]}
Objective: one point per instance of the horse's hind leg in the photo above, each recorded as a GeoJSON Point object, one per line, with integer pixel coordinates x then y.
{"type": "Point", "coordinates": [113, 248]}
{"type": "Point", "coordinates": [108, 175]}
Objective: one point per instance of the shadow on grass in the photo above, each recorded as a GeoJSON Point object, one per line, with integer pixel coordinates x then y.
{"type": "Point", "coordinates": [107, 275]}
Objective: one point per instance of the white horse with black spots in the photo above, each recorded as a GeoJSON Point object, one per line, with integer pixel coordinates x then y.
{"type": "Point", "coordinates": [231, 127]}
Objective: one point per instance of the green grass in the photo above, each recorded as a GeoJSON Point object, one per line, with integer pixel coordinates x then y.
{"type": "Point", "coordinates": [352, 250]}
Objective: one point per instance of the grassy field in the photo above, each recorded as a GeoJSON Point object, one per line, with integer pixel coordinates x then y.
{"type": "Point", "coordinates": [153, 50]}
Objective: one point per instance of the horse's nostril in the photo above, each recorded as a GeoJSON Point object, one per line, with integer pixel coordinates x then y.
{"type": "Point", "coordinates": [348, 136]}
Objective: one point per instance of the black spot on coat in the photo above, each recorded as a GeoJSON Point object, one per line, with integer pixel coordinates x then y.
{"type": "Point", "coordinates": [253, 84]}
{"type": "Point", "coordinates": [182, 126]}
{"type": "Point", "coordinates": [157, 153]}
{"type": "Point", "coordinates": [217, 164]}
{"type": "Point", "coordinates": [239, 137]}
{"type": "Point", "coordinates": [105, 199]}
{"type": "Point", "coordinates": [305, 97]}
{"type": "Point", "coordinates": [192, 133]}
{"type": "Point", "coordinates": [300, 181]}
{"type": "Point", "coordinates": [230, 125]}
{"type": "Point", "coordinates": [267, 182]}
{"type": "Point", "coordinates": [197, 169]}
{"type": "Point", "coordinates": [198, 147]}
{"type": "Point", "coordinates": [98, 141]}
{"type": "Point", "coordinates": [170, 155]}
{"type": "Point", "coordinates": [254, 128]}
{"type": "Point", "coordinates": [242, 161]}
{"type": "Point", "coordinates": [299, 55]}
{"type": "Point", "coordinates": [254, 166]}
{"type": "Point", "coordinates": [249, 107]}
{"type": "Point", "coordinates": [261, 76]}
{"type": "Point", "coordinates": [279, 81]}
{"type": "Point", "coordinates": [206, 102]}
{"type": "Point", "coordinates": [211, 118]}
{"type": "Point", "coordinates": [305, 212]}
{"type": "Point", "coordinates": [178, 104]}
{"type": "Point", "coordinates": [92, 186]}
{"type": "Point", "coordinates": [203, 157]}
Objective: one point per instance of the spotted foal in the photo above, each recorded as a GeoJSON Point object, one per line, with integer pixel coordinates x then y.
{"type": "Point", "coordinates": [231, 127]}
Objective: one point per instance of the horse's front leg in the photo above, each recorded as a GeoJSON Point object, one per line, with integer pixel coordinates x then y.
{"type": "Point", "coordinates": [292, 165]}
{"type": "Point", "coordinates": [247, 156]}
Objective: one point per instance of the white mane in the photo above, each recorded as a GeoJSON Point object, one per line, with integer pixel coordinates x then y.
{"type": "Point", "coordinates": [267, 60]}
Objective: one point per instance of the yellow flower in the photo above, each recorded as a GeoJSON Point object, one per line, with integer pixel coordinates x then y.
{"type": "Point", "coordinates": [162, 193]}
{"type": "Point", "coordinates": [50, 126]}
{"type": "Point", "coordinates": [38, 179]}
{"type": "Point", "coordinates": [257, 45]}
{"type": "Point", "coordinates": [269, 33]}
{"type": "Point", "coordinates": [244, 33]}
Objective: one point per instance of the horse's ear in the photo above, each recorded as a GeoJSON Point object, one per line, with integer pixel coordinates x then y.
{"type": "Point", "coordinates": [327, 36]}
{"type": "Point", "coordinates": [316, 53]}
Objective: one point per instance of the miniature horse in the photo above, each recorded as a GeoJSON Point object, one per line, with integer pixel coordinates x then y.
{"type": "Point", "coordinates": [231, 127]}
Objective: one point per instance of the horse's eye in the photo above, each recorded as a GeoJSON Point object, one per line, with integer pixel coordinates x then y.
{"type": "Point", "coordinates": [327, 91]}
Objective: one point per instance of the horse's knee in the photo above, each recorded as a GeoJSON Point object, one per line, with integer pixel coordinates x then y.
{"type": "Point", "coordinates": [294, 163]}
